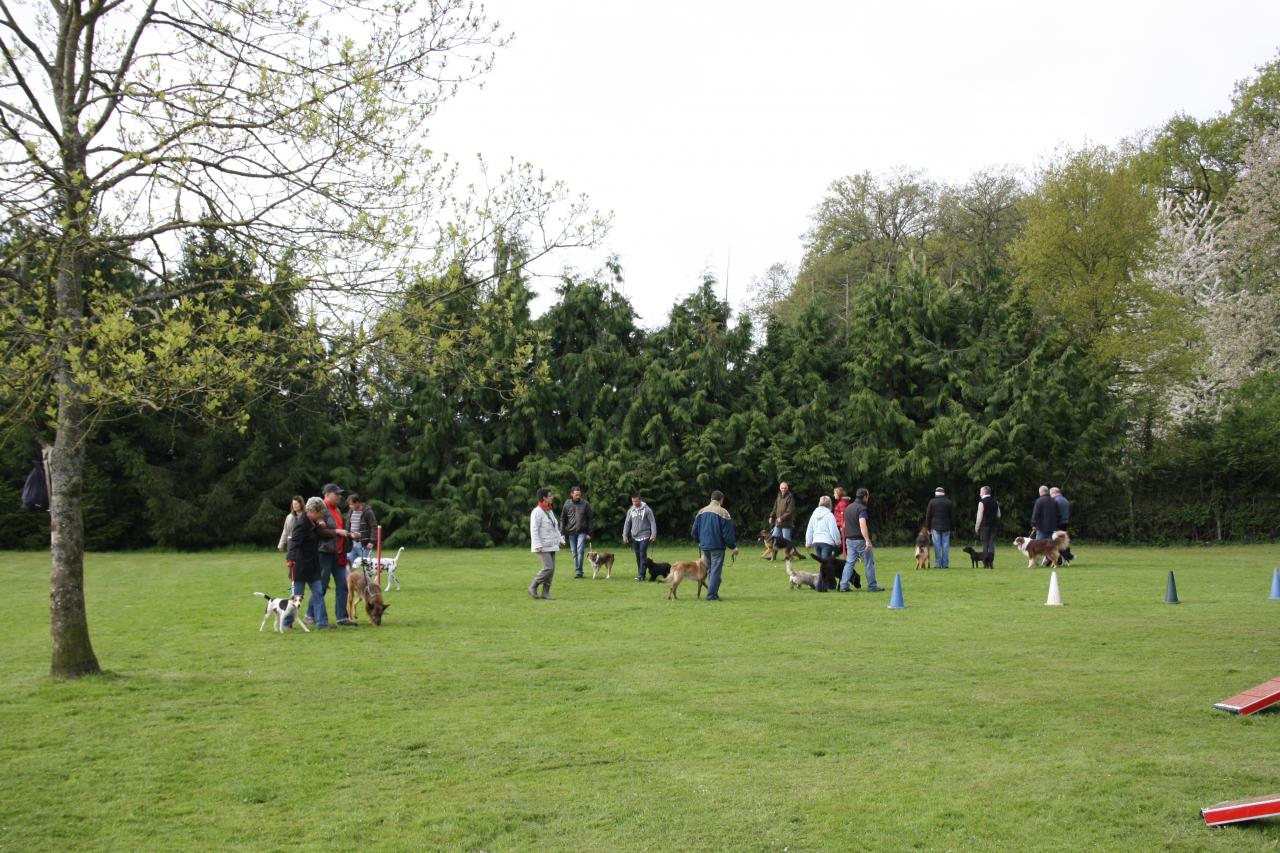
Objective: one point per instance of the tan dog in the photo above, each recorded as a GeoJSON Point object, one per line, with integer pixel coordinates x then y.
{"type": "Point", "coordinates": [924, 547]}
{"type": "Point", "coordinates": [693, 569]}
{"type": "Point", "coordinates": [600, 560]}
{"type": "Point", "coordinates": [1046, 550]}
{"type": "Point", "coordinates": [361, 589]}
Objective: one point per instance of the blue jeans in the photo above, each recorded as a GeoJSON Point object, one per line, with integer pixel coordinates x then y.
{"type": "Point", "coordinates": [299, 587]}
{"type": "Point", "coordinates": [330, 570]}
{"type": "Point", "coordinates": [715, 565]}
{"type": "Point", "coordinates": [941, 548]}
{"type": "Point", "coordinates": [1044, 534]}
{"type": "Point", "coordinates": [359, 549]}
{"type": "Point", "coordinates": [578, 545]}
{"type": "Point", "coordinates": [782, 533]}
{"type": "Point", "coordinates": [641, 547]}
{"type": "Point", "coordinates": [824, 550]}
{"type": "Point", "coordinates": [856, 549]}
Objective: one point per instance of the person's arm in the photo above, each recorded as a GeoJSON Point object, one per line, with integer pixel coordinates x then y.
{"type": "Point", "coordinates": [866, 534]}
{"type": "Point", "coordinates": [588, 522]}
{"type": "Point", "coordinates": [534, 538]}
{"type": "Point", "coordinates": [626, 520]}
{"type": "Point", "coordinates": [370, 525]}
{"type": "Point", "coordinates": [928, 517]}
{"type": "Point", "coordinates": [653, 526]}
{"type": "Point", "coordinates": [977, 522]}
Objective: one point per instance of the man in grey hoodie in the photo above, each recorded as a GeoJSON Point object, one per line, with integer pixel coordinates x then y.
{"type": "Point", "coordinates": [639, 528]}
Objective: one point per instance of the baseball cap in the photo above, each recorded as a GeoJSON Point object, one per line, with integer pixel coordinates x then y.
{"type": "Point", "coordinates": [331, 487]}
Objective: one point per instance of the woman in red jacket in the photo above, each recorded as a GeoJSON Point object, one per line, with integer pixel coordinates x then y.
{"type": "Point", "coordinates": [842, 501]}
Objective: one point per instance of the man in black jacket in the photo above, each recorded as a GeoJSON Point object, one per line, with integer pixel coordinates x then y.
{"type": "Point", "coordinates": [938, 520]}
{"type": "Point", "coordinates": [575, 525]}
{"type": "Point", "coordinates": [1044, 515]}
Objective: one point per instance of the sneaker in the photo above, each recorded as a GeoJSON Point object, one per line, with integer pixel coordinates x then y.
{"type": "Point", "coordinates": [579, 577]}
{"type": "Point", "coordinates": [640, 579]}
{"type": "Point", "coordinates": [875, 589]}
{"type": "Point", "coordinates": [546, 596]}
{"type": "Point", "coordinates": [310, 621]}
{"type": "Point", "coordinates": [327, 627]}
{"type": "Point", "coordinates": [350, 622]}
{"type": "Point", "coordinates": [712, 598]}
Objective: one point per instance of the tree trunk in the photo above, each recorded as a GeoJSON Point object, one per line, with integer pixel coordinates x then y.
{"type": "Point", "coordinates": [68, 624]}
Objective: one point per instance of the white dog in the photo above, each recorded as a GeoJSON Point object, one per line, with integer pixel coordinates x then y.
{"type": "Point", "coordinates": [281, 608]}
{"type": "Point", "coordinates": [799, 579]}
{"type": "Point", "coordinates": [369, 565]}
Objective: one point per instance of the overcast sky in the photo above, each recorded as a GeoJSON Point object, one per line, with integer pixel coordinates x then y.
{"type": "Point", "coordinates": [711, 128]}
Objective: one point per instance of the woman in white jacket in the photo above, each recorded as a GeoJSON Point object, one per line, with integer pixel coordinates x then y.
{"type": "Point", "coordinates": [545, 540]}
{"type": "Point", "coordinates": [823, 535]}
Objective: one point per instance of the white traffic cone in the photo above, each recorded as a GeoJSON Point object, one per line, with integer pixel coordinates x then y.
{"type": "Point", "coordinates": [1055, 597]}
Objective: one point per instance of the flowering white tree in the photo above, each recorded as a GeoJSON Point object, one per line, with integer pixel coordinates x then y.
{"type": "Point", "coordinates": [291, 128]}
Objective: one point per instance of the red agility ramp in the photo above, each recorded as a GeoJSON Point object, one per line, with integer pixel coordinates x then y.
{"type": "Point", "coordinates": [1241, 810]}
{"type": "Point", "coordinates": [1251, 701]}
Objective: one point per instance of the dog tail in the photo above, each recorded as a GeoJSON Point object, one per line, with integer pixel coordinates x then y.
{"type": "Point", "coordinates": [263, 594]}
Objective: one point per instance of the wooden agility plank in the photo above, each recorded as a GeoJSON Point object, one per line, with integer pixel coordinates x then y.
{"type": "Point", "coordinates": [1252, 700]}
{"type": "Point", "coordinates": [1241, 810]}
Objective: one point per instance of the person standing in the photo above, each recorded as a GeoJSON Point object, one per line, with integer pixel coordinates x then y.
{"type": "Point", "coordinates": [545, 540]}
{"type": "Point", "coordinates": [784, 513]}
{"type": "Point", "coordinates": [641, 529]}
{"type": "Point", "coordinates": [333, 556]}
{"type": "Point", "coordinates": [304, 560]}
{"type": "Point", "coordinates": [857, 542]}
{"type": "Point", "coordinates": [938, 520]}
{"type": "Point", "coordinates": [362, 524]}
{"type": "Point", "coordinates": [987, 524]}
{"type": "Point", "coordinates": [713, 530]}
{"type": "Point", "coordinates": [1064, 520]}
{"type": "Point", "coordinates": [1044, 515]}
{"type": "Point", "coordinates": [842, 501]}
{"type": "Point", "coordinates": [823, 532]}
{"type": "Point", "coordinates": [575, 524]}
{"type": "Point", "coordinates": [296, 507]}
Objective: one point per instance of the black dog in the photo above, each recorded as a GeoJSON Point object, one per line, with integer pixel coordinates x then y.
{"type": "Point", "coordinates": [987, 558]}
{"type": "Point", "coordinates": [657, 570]}
{"type": "Point", "coordinates": [829, 571]}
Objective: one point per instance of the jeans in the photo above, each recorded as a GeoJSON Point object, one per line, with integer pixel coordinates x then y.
{"type": "Point", "coordinates": [299, 587]}
{"type": "Point", "coordinates": [641, 547]}
{"type": "Point", "coordinates": [1044, 534]}
{"type": "Point", "coordinates": [824, 550]}
{"type": "Point", "coordinates": [941, 548]}
{"type": "Point", "coordinates": [782, 533]}
{"type": "Point", "coordinates": [359, 549]}
{"type": "Point", "coordinates": [578, 545]}
{"type": "Point", "coordinates": [330, 570]}
{"type": "Point", "coordinates": [715, 565]}
{"type": "Point", "coordinates": [856, 549]}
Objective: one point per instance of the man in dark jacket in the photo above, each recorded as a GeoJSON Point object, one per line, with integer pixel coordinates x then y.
{"type": "Point", "coordinates": [938, 520]}
{"type": "Point", "coordinates": [987, 522]}
{"type": "Point", "coordinates": [713, 530]}
{"type": "Point", "coordinates": [1044, 515]}
{"type": "Point", "coordinates": [575, 526]}
{"type": "Point", "coordinates": [784, 512]}
{"type": "Point", "coordinates": [304, 561]}
{"type": "Point", "coordinates": [857, 542]}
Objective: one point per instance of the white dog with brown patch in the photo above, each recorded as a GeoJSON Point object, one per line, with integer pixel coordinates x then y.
{"type": "Point", "coordinates": [281, 608]}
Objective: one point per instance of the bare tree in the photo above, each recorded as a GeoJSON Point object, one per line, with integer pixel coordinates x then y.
{"type": "Point", "coordinates": [293, 128]}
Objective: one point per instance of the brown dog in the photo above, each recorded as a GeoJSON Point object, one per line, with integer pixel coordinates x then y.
{"type": "Point", "coordinates": [774, 544]}
{"type": "Point", "coordinates": [924, 546]}
{"type": "Point", "coordinates": [361, 589]}
{"type": "Point", "coordinates": [600, 560]}
{"type": "Point", "coordinates": [693, 569]}
{"type": "Point", "coordinates": [1043, 549]}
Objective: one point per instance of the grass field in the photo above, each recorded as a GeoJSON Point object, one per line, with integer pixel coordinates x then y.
{"type": "Point", "coordinates": [612, 719]}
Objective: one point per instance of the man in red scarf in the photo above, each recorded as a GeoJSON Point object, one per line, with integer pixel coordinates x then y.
{"type": "Point", "coordinates": [333, 553]}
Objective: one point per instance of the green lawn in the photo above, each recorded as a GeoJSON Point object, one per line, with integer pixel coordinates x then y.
{"type": "Point", "coordinates": [612, 719]}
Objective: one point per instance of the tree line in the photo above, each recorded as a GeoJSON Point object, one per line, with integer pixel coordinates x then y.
{"type": "Point", "coordinates": [1109, 326]}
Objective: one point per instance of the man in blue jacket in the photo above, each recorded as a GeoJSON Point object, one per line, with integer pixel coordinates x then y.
{"type": "Point", "coordinates": [713, 530]}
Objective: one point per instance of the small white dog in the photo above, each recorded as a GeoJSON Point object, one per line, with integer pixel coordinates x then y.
{"type": "Point", "coordinates": [281, 608]}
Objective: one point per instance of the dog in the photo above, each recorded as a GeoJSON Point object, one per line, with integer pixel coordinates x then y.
{"type": "Point", "coordinates": [829, 571]}
{"type": "Point", "coordinates": [799, 579]}
{"type": "Point", "coordinates": [987, 558]}
{"type": "Point", "coordinates": [692, 569]}
{"type": "Point", "coordinates": [656, 570]}
{"type": "Point", "coordinates": [774, 544]}
{"type": "Point", "coordinates": [369, 566]}
{"type": "Point", "coordinates": [361, 590]}
{"type": "Point", "coordinates": [924, 549]}
{"type": "Point", "coordinates": [1046, 550]}
{"type": "Point", "coordinates": [601, 560]}
{"type": "Point", "coordinates": [281, 608]}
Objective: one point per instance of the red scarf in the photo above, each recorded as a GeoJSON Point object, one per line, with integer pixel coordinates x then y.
{"type": "Point", "coordinates": [337, 525]}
